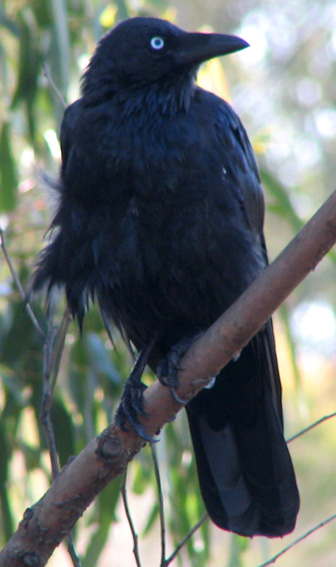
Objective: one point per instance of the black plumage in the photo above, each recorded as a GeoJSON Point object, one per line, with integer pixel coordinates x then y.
{"type": "Point", "coordinates": [160, 219]}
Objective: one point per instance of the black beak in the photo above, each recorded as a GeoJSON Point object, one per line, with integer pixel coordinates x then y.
{"type": "Point", "coordinates": [198, 47]}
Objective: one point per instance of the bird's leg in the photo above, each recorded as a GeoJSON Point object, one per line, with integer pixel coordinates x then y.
{"type": "Point", "coordinates": [131, 402]}
{"type": "Point", "coordinates": [170, 365]}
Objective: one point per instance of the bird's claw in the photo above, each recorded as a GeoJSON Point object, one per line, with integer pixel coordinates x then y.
{"type": "Point", "coordinates": [170, 366]}
{"type": "Point", "coordinates": [132, 404]}
{"type": "Point", "coordinates": [176, 397]}
{"type": "Point", "coordinates": [168, 369]}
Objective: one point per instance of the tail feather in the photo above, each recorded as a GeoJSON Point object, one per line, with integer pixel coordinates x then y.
{"type": "Point", "coordinates": [245, 470]}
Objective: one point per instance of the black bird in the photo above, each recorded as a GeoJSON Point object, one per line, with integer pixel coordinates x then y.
{"type": "Point", "coordinates": [160, 219]}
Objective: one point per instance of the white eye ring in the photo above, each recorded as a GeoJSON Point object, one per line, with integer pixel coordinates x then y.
{"type": "Point", "coordinates": [157, 43]}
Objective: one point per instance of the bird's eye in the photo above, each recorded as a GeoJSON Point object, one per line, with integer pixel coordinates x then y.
{"type": "Point", "coordinates": [157, 43]}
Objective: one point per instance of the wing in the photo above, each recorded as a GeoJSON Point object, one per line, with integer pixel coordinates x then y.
{"type": "Point", "coordinates": [240, 165]}
{"type": "Point", "coordinates": [245, 471]}
{"type": "Point", "coordinates": [71, 257]}
{"type": "Point", "coordinates": [68, 126]}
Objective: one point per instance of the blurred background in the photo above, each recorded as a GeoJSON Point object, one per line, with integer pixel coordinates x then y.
{"type": "Point", "coordinates": [283, 87]}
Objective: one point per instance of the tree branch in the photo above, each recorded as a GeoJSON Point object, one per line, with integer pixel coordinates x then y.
{"type": "Point", "coordinates": [45, 524]}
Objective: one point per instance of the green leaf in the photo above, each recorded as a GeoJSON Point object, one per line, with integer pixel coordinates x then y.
{"type": "Point", "coordinates": [6, 514]}
{"type": "Point", "coordinates": [4, 455]}
{"type": "Point", "coordinates": [96, 545]}
{"type": "Point", "coordinates": [239, 545]}
{"type": "Point", "coordinates": [100, 359]}
{"type": "Point", "coordinates": [8, 23]}
{"type": "Point", "coordinates": [106, 504]}
{"type": "Point", "coordinates": [42, 12]}
{"type": "Point", "coordinates": [123, 11]}
{"type": "Point", "coordinates": [151, 519]}
{"type": "Point", "coordinates": [60, 49]}
{"type": "Point", "coordinates": [107, 500]}
{"type": "Point", "coordinates": [64, 431]}
{"type": "Point", "coordinates": [7, 519]}
{"type": "Point", "coordinates": [284, 205]}
{"type": "Point", "coordinates": [29, 66]}
{"type": "Point", "coordinates": [8, 171]}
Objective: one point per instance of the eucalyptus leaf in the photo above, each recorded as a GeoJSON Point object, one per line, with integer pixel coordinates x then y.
{"type": "Point", "coordinates": [8, 171]}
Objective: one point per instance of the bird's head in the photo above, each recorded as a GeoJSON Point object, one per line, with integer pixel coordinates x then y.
{"type": "Point", "coordinates": [143, 51]}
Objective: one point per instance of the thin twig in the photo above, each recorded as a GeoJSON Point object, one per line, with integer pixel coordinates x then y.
{"type": "Point", "coordinates": [131, 524]}
{"type": "Point", "coordinates": [315, 424]}
{"type": "Point", "coordinates": [184, 541]}
{"type": "Point", "coordinates": [19, 285]}
{"type": "Point", "coordinates": [47, 400]}
{"type": "Point", "coordinates": [53, 349]}
{"type": "Point", "coordinates": [72, 552]}
{"type": "Point", "coordinates": [59, 346]}
{"type": "Point", "coordinates": [165, 562]}
{"type": "Point", "coordinates": [52, 84]}
{"type": "Point", "coordinates": [298, 540]}
{"type": "Point", "coordinates": [161, 506]}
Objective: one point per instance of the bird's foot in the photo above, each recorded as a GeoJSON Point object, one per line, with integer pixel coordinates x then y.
{"type": "Point", "coordinates": [132, 400]}
{"type": "Point", "coordinates": [132, 405]}
{"type": "Point", "coordinates": [170, 366]}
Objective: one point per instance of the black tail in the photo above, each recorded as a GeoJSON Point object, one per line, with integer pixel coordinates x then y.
{"type": "Point", "coordinates": [245, 470]}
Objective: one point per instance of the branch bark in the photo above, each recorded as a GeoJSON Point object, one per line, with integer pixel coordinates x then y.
{"type": "Point", "coordinates": [47, 522]}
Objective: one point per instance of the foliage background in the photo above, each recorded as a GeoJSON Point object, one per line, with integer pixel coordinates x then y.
{"type": "Point", "coordinates": [283, 88]}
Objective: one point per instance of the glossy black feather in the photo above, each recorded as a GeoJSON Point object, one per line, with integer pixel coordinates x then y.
{"type": "Point", "coordinates": [160, 220]}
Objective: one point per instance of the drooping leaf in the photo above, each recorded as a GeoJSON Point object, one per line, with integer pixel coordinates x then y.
{"type": "Point", "coordinates": [64, 430]}
{"type": "Point", "coordinates": [106, 503]}
{"type": "Point", "coordinates": [8, 171]}
{"type": "Point", "coordinates": [6, 512]}
{"type": "Point", "coordinates": [239, 545]}
{"type": "Point", "coordinates": [283, 202]}
{"type": "Point", "coordinates": [29, 67]}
